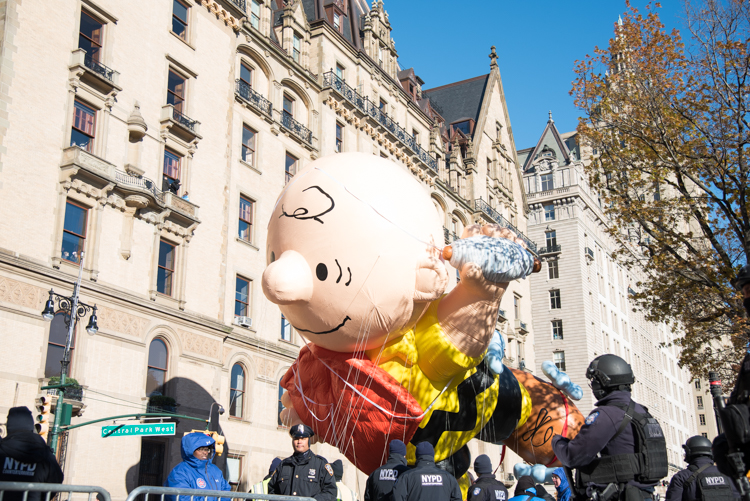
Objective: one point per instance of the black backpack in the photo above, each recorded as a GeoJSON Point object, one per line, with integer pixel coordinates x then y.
{"type": "Point", "coordinates": [713, 486]}
{"type": "Point", "coordinates": [647, 465]}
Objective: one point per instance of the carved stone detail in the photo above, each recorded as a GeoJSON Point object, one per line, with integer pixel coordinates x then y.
{"type": "Point", "coordinates": [200, 344]}
{"type": "Point", "coordinates": [267, 368]}
{"type": "Point", "coordinates": [21, 294]}
{"type": "Point", "coordinates": [119, 321]}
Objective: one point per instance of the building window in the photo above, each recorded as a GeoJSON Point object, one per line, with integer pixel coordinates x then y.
{"type": "Point", "coordinates": [296, 47]}
{"type": "Point", "coordinates": [248, 145]}
{"type": "Point", "coordinates": [415, 135]}
{"type": "Point", "coordinates": [700, 402]}
{"type": "Point", "coordinates": [549, 212]}
{"type": "Point", "coordinates": [557, 329]}
{"type": "Point", "coordinates": [286, 329]}
{"type": "Point", "coordinates": [84, 122]}
{"type": "Point", "coordinates": [246, 74]}
{"type": "Point", "coordinates": [246, 219]}
{"type": "Point", "coordinates": [74, 232]}
{"type": "Point", "coordinates": [290, 167]}
{"type": "Point", "coordinates": [516, 306]}
{"type": "Point", "coordinates": [255, 14]}
{"type": "Point", "coordinates": [237, 391]}
{"type": "Point", "coordinates": [548, 182]}
{"type": "Point", "coordinates": [551, 239]}
{"type": "Point", "coordinates": [288, 105]}
{"type": "Point", "coordinates": [58, 336]}
{"type": "Point", "coordinates": [157, 367]}
{"type": "Point", "coordinates": [242, 297]}
{"type": "Point", "coordinates": [383, 106]}
{"type": "Point", "coordinates": [179, 19]}
{"type": "Point", "coordinates": [697, 384]}
{"type": "Point", "coordinates": [704, 435]}
{"type": "Point", "coordinates": [281, 406]}
{"type": "Point", "coordinates": [554, 299]}
{"type": "Point", "coordinates": [233, 472]}
{"type": "Point", "coordinates": [90, 37]}
{"type": "Point", "coordinates": [340, 71]}
{"type": "Point", "coordinates": [559, 358]}
{"type": "Point", "coordinates": [337, 21]}
{"type": "Point", "coordinates": [176, 91]}
{"type": "Point", "coordinates": [165, 274]}
{"type": "Point", "coordinates": [553, 269]}
{"type": "Point", "coordinates": [339, 138]}
{"type": "Point", "coordinates": [380, 55]}
{"type": "Point", "coordinates": [171, 174]}
{"type": "Point", "coordinates": [702, 419]}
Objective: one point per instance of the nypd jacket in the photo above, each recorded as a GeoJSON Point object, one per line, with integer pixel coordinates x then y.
{"type": "Point", "coordinates": [194, 473]}
{"type": "Point", "coordinates": [304, 474]}
{"type": "Point", "coordinates": [487, 488]}
{"type": "Point", "coordinates": [426, 482]}
{"type": "Point", "coordinates": [596, 435]}
{"type": "Point", "coordinates": [25, 457]}
{"type": "Point", "coordinates": [381, 481]}
{"type": "Point", "coordinates": [678, 491]}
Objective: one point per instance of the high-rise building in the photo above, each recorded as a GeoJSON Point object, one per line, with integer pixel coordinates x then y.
{"type": "Point", "coordinates": [146, 142]}
{"type": "Point", "coordinates": [581, 299]}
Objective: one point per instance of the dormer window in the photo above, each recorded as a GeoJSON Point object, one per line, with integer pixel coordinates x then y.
{"type": "Point", "coordinates": [464, 126]}
{"type": "Point", "coordinates": [548, 182]}
{"type": "Point", "coordinates": [296, 44]}
{"type": "Point", "coordinates": [337, 21]}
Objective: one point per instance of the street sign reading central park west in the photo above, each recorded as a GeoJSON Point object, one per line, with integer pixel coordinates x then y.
{"type": "Point", "coordinates": [129, 430]}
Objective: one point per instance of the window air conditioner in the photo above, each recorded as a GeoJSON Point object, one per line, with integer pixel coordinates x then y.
{"type": "Point", "coordinates": [243, 321]}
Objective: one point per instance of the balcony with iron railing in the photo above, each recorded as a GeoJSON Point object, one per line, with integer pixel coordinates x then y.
{"type": "Point", "coordinates": [99, 68]}
{"type": "Point", "coordinates": [550, 249]}
{"type": "Point", "coordinates": [364, 105]}
{"type": "Point", "coordinates": [480, 204]}
{"type": "Point", "coordinates": [250, 96]}
{"type": "Point", "coordinates": [296, 128]}
{"type": "Point", "coordinates": [240, 4]}
{"type": "Point", "coordinates": [93, 73]}
{"type": "Point", "coordinates": [187, 128]}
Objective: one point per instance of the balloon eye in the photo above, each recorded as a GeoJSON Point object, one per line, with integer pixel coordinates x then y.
{"type": "Point", "coordinates": [321, 271]}
{"type": "Point", "coordinates": [273, 257]}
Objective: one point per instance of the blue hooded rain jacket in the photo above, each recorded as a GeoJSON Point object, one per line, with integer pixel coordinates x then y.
{"type": "Point", "coordinates": [563, 492]}
{"type": "Point", "coordinates": [194, 473]}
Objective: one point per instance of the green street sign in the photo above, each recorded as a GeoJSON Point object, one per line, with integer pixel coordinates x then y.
{"type": "Point", "coordinates": [131, 430]}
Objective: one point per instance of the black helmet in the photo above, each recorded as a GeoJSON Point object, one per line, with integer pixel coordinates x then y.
{"type": "Point", "coordinates": [743, 277]}
{"type": "Point", "coordinates": [608, 373]}
{"type": "Point", "coordinates": [697, 446]}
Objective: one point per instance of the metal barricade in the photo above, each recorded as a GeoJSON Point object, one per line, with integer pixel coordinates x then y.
{"type": "Point", "coordinates": [163, 492]}
{"type": "Point", "coordinates": [49, 491]}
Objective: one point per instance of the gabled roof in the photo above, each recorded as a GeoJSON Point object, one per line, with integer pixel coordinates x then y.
{"type": "Point", "coordinates": [550, 139]}
{"type": "Point", "coordinates": [458, 100]}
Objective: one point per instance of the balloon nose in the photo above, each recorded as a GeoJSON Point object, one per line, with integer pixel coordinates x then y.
{"type": "Point", "coordinates": [288, 279]}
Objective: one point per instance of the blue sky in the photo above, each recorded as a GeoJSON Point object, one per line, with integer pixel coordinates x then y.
{"type": "Point", "coordinates": [538, 42]}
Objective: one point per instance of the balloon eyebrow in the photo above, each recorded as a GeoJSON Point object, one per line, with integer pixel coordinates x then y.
{"type": "Point", "coordinates": [350, 276]}
{"type": "Point", "coordinates": [340, 272]}
{"type": "Point", "coordinates": [301, 213]}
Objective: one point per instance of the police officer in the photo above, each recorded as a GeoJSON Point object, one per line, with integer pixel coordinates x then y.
{"type": "Point", "coordinates": [262, 486]}
{"type": "Point", "coordinates": [380, 483]}
{"type": "Point", "coordinates": [701, 480]}
{"type": "Point", "coordinates": [426, 482]}
{"type": "Point", "coordinates": [620, 452]}
{"type": "Point", "coordinates": [303, 473]}
{"type": "Point", "coordinates": [486, 487]}
{"type": "Point", "coordinates": [343, 493]}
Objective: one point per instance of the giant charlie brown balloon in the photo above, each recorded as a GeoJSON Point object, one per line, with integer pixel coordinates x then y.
{"type": "Point", "coordinates": [356, 264]}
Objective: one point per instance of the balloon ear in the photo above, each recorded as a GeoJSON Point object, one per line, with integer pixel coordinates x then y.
{"type": "Point", "coordinates": [432, 279]}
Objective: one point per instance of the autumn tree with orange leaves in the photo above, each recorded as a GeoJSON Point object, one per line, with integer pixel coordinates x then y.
{"type": "Point", "coordinates": [667, 119]}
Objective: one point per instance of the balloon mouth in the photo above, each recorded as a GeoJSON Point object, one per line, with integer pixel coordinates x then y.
{"type": "Point", "coordinates": [329, 331]}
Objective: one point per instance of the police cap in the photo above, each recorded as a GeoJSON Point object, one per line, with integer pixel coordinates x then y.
{"type": "Point", "coordinates": [301, 431]}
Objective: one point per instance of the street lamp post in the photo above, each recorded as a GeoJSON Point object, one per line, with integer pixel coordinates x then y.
{"type": "Point", "coordinates": [74, 310]}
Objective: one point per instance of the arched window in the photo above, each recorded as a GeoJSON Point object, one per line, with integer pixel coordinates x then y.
{"type": "Point", "coordinates": [157, 366]}
{"type": "Point", "coordinates": [58, 334]}
{"type": "Point", "coordinates": [281, 406]}
{"type": "Point", "coordinates": [237, 391]}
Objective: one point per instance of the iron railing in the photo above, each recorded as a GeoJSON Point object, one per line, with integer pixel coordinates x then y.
{"type": "Point", "coordinates": [297, 128]}
{"type": "Point", "coordinates": [184, 120]}
{"type": "Point", "coordinates": [165, 493]}
{"type": "Point", "coordinates": [99, 68]}
{"type": "Point", "coordinates": [143, 183]}
{"type": "Point", "coordinates": [480, 204]}
{"type": "Point", "coordinates": [46, 491]}
{"type": "Point", "coordinates": [330, 79]}
{"type": "Point", "coordinates": [240, 4]}
{"type": "Point", "coordinates": [255, 99]}
{"type": "Point", "coordinates": [550, 249]}
{"type": "Point", "coordinates": [501, 315]}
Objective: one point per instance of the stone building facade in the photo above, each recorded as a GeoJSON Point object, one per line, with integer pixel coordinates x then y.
{"type": "Point", "coordinates": [580, 300]}
{"type": "Point", "coordinates": [147, 142]}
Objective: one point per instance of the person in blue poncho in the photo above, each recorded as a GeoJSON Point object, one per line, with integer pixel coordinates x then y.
{"type": "Point", "coordinates": [525, 490]}
{"type": "Point", "coordinates": [561, 484]}
{"type": "Point", "coordinates": [196, 470]}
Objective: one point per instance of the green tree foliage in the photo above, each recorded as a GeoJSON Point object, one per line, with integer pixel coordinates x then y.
{"type": "Point", "coordinates": [668, 124]}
